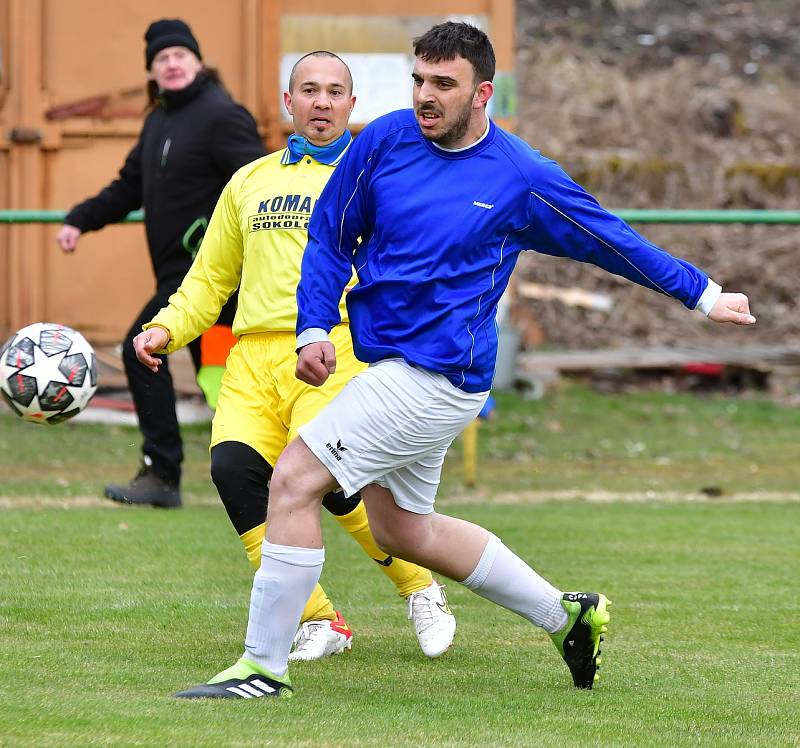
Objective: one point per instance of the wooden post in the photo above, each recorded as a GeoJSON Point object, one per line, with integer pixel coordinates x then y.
{"type": "Point", "coordinates": [271, 87]}
{"type": "Point", "coordinates": [26, 284]}
{"type": "Point", "coordinates": [470, 442]}
{"type": "Point", "coordinates": [252, 65]}
{"type": "Point", "coordinates": [502, 36]}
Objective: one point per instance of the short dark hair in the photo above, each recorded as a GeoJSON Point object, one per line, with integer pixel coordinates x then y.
{"type": "Point", "coordinates": [320, 53]}
{"type": "Point", "coordinates": [449, 40]}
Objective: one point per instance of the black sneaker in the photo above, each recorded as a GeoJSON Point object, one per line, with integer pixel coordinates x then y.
{"type": "Point", "coordinates": [244, 680]}
{"type": "Point", "coordinates": [146, 488]}
{"type": "Point", "coordinates": [579, 641]}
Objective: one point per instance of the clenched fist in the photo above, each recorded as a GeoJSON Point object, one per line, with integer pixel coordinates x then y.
{"type": "Point", "coordinates": [316, 362]}
{"type": "Point", "coordinates": [732, 307]}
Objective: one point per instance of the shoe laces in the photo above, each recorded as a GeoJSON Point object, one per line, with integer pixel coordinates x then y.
{"type": "Point", "coordinates": [421, 606]}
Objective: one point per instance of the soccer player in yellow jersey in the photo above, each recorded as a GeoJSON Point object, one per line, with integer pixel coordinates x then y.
{"type": "Point", "coordinates": [255, 241]}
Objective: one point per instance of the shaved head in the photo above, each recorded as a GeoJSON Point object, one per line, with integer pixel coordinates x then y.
{"type": "Point", "coordinates": [319, 53]}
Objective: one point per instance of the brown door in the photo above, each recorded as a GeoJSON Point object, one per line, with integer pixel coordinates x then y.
{"type": "Point", "coordinates": [83, 62]}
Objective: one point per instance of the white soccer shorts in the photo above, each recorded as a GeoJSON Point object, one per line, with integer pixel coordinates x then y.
{"type": "Point", "coordinates": [392, 425]}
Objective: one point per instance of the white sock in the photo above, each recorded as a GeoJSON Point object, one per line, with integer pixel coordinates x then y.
{"type": "Point", "coordinates": [281, 588]}
{"type": "Point", "coordinates": [507, 580]}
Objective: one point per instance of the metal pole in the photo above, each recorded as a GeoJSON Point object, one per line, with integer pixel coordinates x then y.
{"type": "Point", "coordinates": [52, 216]}
{"type": "Point", "coordinates": [710, 216]}
{"type": "Point", "coordinates": [775, 217]}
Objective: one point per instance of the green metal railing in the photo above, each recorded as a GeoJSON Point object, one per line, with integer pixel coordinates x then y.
{"type": "Point", "coordinates": [784, 217]}
{"type": "Point", "coordinates": [710, 216]}
{"type": "Point", "coordinates": [53, 216]}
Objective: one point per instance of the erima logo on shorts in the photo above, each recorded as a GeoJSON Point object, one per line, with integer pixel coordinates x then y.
{"type": "Point", "coordinates": [335, 451]}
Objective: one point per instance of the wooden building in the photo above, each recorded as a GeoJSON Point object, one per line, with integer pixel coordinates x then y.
{"type": "Point", "coordinates": [72, 103]}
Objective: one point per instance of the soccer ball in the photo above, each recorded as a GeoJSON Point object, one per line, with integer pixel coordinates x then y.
{"type": "Point", "coordinates": [48, 373]}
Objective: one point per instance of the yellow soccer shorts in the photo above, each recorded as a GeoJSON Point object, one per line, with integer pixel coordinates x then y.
{"type": "Point", "coordinates": [261, 402]}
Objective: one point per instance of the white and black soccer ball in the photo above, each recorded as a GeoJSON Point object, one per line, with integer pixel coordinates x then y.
{"type": "Point", "coordinates": [48, 373]}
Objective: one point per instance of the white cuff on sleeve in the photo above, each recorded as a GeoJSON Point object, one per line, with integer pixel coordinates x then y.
{"type": "Point", "coordinates": [311, 335]}
{"type": "Point", "coordinates": [709, 297]}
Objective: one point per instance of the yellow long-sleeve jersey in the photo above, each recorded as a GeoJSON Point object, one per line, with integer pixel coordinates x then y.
{"type": "Point", "coordinates": [254, 241]}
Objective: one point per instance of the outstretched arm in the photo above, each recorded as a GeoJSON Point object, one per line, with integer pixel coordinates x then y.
{"type": "Point", "coordinates": [566, 221]}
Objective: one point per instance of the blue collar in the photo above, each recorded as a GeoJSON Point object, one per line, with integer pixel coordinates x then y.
{"type": "Point", "coordinates": [329, 154]}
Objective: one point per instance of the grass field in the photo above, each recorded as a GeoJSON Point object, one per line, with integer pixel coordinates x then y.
{"type": "Point", "coordinates": [106, 611]}
{"type": "Point", "coordinates": [573, 440]}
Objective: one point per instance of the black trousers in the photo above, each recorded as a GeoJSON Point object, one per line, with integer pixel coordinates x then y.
{"type": "Point", "coordinates": [154, 395]}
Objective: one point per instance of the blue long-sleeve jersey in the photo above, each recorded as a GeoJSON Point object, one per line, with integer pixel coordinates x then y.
{"type": "Point", "coordinates": [434, 235]}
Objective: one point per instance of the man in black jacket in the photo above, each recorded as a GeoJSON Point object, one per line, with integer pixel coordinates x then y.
{"type": "Point", "coordinates": [193, 140]}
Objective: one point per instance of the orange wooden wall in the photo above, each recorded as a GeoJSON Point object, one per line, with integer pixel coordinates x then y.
{"type": "Point", "coordinates": [56, 52]}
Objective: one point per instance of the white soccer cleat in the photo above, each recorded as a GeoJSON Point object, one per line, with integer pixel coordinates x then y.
{"type": "Point", "coordinates": [317, 639]}
{"type": "Point", "coordinates": [433, 621]}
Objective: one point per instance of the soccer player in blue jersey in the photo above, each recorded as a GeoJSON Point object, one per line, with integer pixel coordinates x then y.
{"type": "Point", "coordinates": [431, 206]}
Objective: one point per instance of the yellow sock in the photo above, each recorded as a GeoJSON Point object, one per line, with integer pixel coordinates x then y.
{"type": "Point", "coordinates": [252, 541]}
{"type": "Point", "coordinates": [407, 577]}
{"type": "Point", "coordinates": [318, 607]}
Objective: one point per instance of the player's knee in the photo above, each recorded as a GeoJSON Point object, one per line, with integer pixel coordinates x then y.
{"type": "Point", "coordinates": [241, 476]}
{"type": "Point", "coordinates": [299, 477]}
{"type": "Point", "coordinates": [236, 466]}
{"type": "Point", "coordinates": [285, 488]}
{"type": "Point", "coordinates": [224, 474]}
{"type": "Point", "coordinates": [290, 493]}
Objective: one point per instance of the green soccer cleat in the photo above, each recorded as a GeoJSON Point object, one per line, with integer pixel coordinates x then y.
{"type": "Point", "coordinates": [244, 680]}
{"type": "Point", "coordinates": [579, 641]}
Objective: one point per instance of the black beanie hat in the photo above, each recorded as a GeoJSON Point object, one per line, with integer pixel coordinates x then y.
{"type": "Point", "coordinates": [168, 32]}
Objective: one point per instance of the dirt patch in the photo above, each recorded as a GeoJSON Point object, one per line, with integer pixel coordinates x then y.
{"type": "Point", "coordinates": [86, 502]}
{"type": "Point", "coordinates": [608, 497]}
{"type": "Point", "coordinates": [664, 104]}
{"type": "Point", "coordinates": [476, 496]}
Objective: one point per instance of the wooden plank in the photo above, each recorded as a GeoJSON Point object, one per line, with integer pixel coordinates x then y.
{"type": "Point", "coordinates": [572, 296]}
{"type": "Point", "coordinates": [760, 357]}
